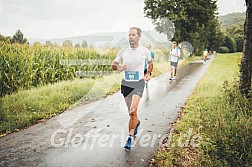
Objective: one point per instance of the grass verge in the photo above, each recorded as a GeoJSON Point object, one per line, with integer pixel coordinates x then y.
{"type": "Point", "coordinates": [26, 107]}
{"type": "Point", "coordinates": [214, 127]}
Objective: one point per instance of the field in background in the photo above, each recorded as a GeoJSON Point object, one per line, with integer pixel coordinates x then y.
{"type": "Point", "coordinates": [36, 85]}
{"type": "Point", "coordinates": [24, 67]}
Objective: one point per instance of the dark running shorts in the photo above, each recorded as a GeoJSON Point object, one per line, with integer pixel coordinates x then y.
{"type": "Point", "coordinates": [175, 64]}
{"type": "Point", "coordinates": [132, 88]}
{"type": "Point", "coordinates": [145, 71]}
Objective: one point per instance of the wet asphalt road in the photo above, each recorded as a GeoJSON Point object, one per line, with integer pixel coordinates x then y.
{"type": "Point", "coordinates": [94, 134]}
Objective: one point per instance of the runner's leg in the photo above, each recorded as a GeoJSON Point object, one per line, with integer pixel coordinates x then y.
{"type": "Point", "coordinates": [128, 100]}
{"type": "Point", "coordinates": [172, 71]}
{"type": "Point", "coordinates": [133, 114]}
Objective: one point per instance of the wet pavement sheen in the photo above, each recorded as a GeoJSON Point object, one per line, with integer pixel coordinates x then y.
{"type": "Point", "coordinates": [94, 134]}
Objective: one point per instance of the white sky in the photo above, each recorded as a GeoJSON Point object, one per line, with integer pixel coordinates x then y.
{"type": "Point", "coordinates": [66, 18]}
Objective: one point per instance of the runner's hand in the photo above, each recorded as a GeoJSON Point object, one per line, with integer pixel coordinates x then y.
{"type": "Point", "coordinates": [124, 67]}
{"type": "Point", "coordinates": [121, 67]}
{"type": "Point", "coordinates": [147, 76]}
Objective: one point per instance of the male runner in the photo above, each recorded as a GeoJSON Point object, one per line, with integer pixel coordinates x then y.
{"type": "Point", "coordinates": [132, 86]}
{"type": "Point", "coordinates": [174, 57]}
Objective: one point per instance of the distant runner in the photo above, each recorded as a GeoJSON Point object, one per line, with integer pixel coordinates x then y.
{"type": "Point", "coordinates": [174, 58]}
{"type": "Point", "coordinates": [148, 69]}
{"type": "Point", "coordinates": [205, 53]}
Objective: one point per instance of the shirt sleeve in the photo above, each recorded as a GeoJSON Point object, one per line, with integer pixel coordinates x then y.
{"type": "Point", "coordinates": [152, 55]}
{"type": "Point", "coordinates": [148, 56]}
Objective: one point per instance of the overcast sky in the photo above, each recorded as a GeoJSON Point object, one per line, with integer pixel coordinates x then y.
{"type": "Point", "coordinates": [66, 18]}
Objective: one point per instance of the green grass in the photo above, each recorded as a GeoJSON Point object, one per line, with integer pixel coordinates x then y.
{"type": "Point", "coordinates": [219, 115]}
{"type": "Point", "coordinates": [25, 107]}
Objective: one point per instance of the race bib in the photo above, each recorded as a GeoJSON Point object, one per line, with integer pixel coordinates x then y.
{"type": "Point", "coordinates": [131, 76]}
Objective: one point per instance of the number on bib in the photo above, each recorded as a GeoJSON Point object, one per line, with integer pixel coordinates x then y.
{"type": "Point", "coordinates": [131, 76]}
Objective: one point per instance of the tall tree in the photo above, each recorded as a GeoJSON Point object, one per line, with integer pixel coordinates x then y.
{"type": "Point", "coordinates": [246, 62]}
{"type": "Point", "coordinates": [190, 17]}
{"type": "Point", "coordinates": [236, 31]}
{"type": "Point", "coordinates": [77, 45]}
{"type": "Point", "coordinates": [229, 42]}
{"type": "Point", "coordinates": [48, 43]}
{"type": "Point", "coordinates": [84, 44]}
{"type": "Point", "coordinates": [67, 43]}
{"type": "Point", "coordinates": [214, 35]}
{"type": "Point", "coordinates": [18, 37]}
{"type": "Point", "coordinates": [37, 44]}
{"type": "Point", "coordinates": [239, 42]}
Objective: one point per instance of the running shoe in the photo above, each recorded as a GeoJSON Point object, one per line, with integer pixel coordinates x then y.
{"type": "Point", "coordinates": [128, 143]}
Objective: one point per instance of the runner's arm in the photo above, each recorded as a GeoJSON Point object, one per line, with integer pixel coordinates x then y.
{"type": "Point", "coordinates": [179, 52]}
{"type": "Point", "coordinates": [116, 66]}
{"type": "Point", "coordinates": [150, 68]}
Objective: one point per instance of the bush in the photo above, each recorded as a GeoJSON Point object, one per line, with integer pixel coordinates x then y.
{"type": "Point", "coordinates": [230, 128]}
{"type": "Point", "coordinates": [223, 49]}
{"type": "Point", "coordinates": [229, 42]}
{"type": "Point", "coordinates": [239, 43]}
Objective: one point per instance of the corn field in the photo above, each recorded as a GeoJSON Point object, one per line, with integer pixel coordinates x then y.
{"type": "Point", "coordinates": [23, 66]}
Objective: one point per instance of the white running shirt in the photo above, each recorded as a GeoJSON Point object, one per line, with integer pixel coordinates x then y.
{"type": "Point", "coordinates": [134, 58]}
{"type": "Point", "coordinates": [174, 53]}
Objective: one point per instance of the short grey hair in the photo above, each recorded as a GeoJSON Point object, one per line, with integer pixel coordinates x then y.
{"type": "Point", "coordinates": [139, 31]}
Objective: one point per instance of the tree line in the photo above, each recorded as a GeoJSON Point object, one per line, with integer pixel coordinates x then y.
{"type": "Point", "coordinates": [232, 26]}
{"type": "Point", "coordinates": [197, 22]}
{"type": "Point", "coordinates": [18, 38]}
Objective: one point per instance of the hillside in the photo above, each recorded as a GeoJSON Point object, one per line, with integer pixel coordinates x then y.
{"type": "Point", "coordinates": [231, 19]}
{"type": "Point", "coordinates": [120, 39]}
{"type": "Point", "coordinates": [114, 39]}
